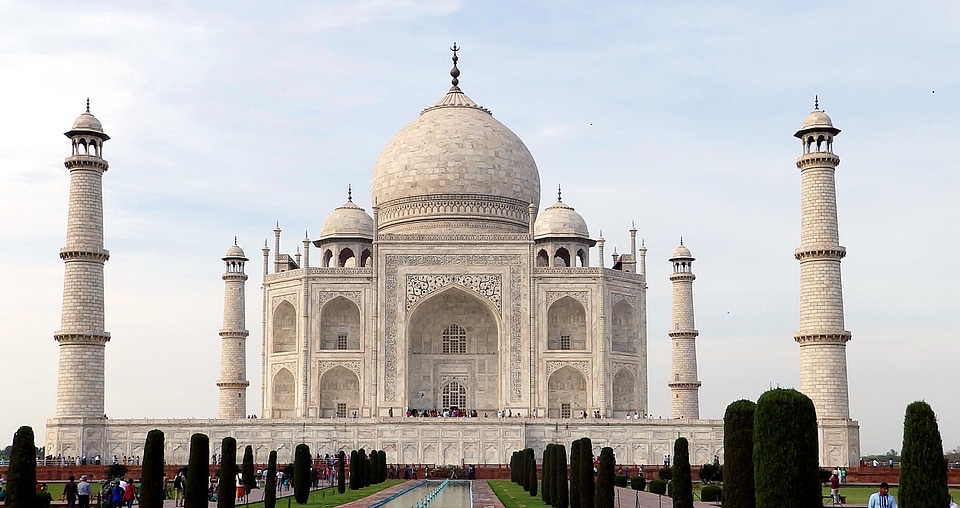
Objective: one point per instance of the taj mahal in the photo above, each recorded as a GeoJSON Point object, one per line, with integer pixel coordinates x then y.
{"type": "Point", "coordinates": [456, 293]}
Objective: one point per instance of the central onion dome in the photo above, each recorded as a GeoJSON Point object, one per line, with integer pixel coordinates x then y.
{"type": "Point", "coordinates": [455, 169]}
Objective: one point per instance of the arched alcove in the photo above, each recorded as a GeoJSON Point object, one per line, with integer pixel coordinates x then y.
{"type": "Point", "coordinates": [624, 393]}
{"type": "Point", "coordinates": [566, 393]}
{"type": "Point", "coordinates": [346, 258]}
{"type": "Point", "coordinates": [340, 325]}
{"type": "Point", "coordinates": [284, 388]}
{"type": "Point", "coordinates": [339, 393]}
{"type": "Point", "coordinates": [543, 259]}
{"type": "Point", "coordinates": [566, 325]}
{"type": "Point", "coordinates": [284, 328]}
{"type": "Point", "coordinates": [561, 258]}
{"type": "Point", "coordinates": [624, 328]}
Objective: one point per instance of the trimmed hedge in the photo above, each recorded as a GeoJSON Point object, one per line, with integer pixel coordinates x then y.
{"type": "Point", "coordinates": [301, 473]}
{"type": "Point", "coordinates": [923, 468]}
{"type": "Point", "coordinates": [22, 471]}
{"type": "Point", "coordinates": [227, 486]}
{"type": "Point", "coordinates": [711, 493]}
{"type": "Point", "coordinates": [638, 482]}
{"type": "Point", "coordinates": [575, 474]}
{"type": "Point", "coordinates": [604, 490]}
{"type": "Point", "coordinates": [587, 483]}
{"type": "Point", "coordinates": [151, 476]}
{"type": "Point", "coordinates": [785, 451]}
{"type": "Point", "coordinates": [270, 487]}
{"type": "Point", "coordinates": [621, 480]}
{"type": "Point", "coordinates": [246, 470]}
{"type": "Point", "coordinates": [341, 472]}
{"type": "Point", "coordinates": [195, 491]}
{"type": "Point", "coordinates": [738, 481]}
{"type": "Point", "coordinates": [658, 486]}
{"type": "Point", "coordinates": [562, 498]}
{"type": "Point", "coordinates": [682, 478]}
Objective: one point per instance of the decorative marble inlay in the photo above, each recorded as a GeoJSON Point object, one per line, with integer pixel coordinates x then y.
{"type": "Point", "coordinates": [292, 299]}
{"type": "Point", "coordinates": [325, 296]}
{"type": "Point", "coordinates": [580, 296]}
{"type": "Point", "coordinates": [513, 262]}
{"type": "Point", "coordinates": [616, 298]}
{"type": "Point", "coordinates": [485, 285]}
{"type": "Point", "coordinates": [583, 366]}
{"type": "Point", "coordinates": [325, 365]}
{"type": "Point", "coordinates": [276, 367]}
{"type": "Point", "coordinates": [616, 366]}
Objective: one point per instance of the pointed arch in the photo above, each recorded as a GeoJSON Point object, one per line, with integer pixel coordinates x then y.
{"type": "Point", "coordinates": [566, 325]}
{"type": "Point", "coordinates": [625, 334]}
{"type": "Point", "coordinates": [340, 325]}
{"type": "Point", "coordinates": [561, 257]}
{"type": "Point", "coordinates": [566, 393]}
{"type": "Point", "coordinates": [284, 328]}
{"type": "Point", "coordinates": [624, 393]}
{"type": "Point", "coordinates": [339, 393]}
{"type": "Point", "coordinates": [346, 258]}
{"type": "Point", "coordinates": [582, 259]}
{"type": "Point", "coordinates": [282, 394]}
{"type": "Point", "coordinates": [365, 258]}
{"type": "Point", "coordinates": [543, 259]}
{"type": "Point", "coordinates": [327, 258]}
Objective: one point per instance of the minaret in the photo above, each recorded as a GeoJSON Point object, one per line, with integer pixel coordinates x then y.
{"type": "Point", "coordinates": [82, 336]}
{"type": "Point", "coordinates": [684, 386]}
{"type": "Point", "coordinates": [233, 356]}
{"type": "Point", "coordinates": [822, 338]}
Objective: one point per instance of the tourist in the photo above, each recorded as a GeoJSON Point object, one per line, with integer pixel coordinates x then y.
{"type": "Point", "coordinates": [953, 504]}
{"type": "Point", "coordinates": [70, 493]}
{"type": "Point", "coordinates": [178, 489]}
{"type": "Point", "coordinates": [882, 499]}
{"type": "Point", "coordinates": [835, 487]}
{"type": "Point", "coordinates": [129, 493]}
{"type": "Point", "coordinates": [84, 491]}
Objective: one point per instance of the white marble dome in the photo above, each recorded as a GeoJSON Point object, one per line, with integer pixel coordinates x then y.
{"type": "Point", "coordinates": [560, 221]}
{"type": "Point", "coordinates": [681, 252]}
{"type": "Point", "coordinates": [347, 221]}
{"type": "Point", "coordinates": [455, 164]}
{"type": "Point", "coordinates": [86, 123]}
{"type": "Point", "coordinates": [234, 252]}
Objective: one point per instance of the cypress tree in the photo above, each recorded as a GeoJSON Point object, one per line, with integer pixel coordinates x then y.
{"type": "Point", "coordinates": [682, 479]}
{"type": "Point", "coordinates": [247, 470]}
{"type": "Point", "coordinates": [301, 473]}
{"type": "Point", "coordinates": [923, 468]}
{"type": "Point", "coordinates": [785, 456]}
{"type": "Point", "coordinates": [198, 471]}
{"type": "Point", "coordinates": [354, 476]}
{"type": "Point", "coordinates": [152, 491]}
{"type": "Point", "coordinates": [341, 469]}
{"type": "Point", "coordinates": [545, 493]}
{"type": "Point", "coordinates": [368, 478]}
{"type": "Point", "coordinates": [383, 466]}
{"type": "Point", "coordinates": [22, 471]}
{"type": "Point", "coordinates": [561, 487]}
{"type": "Point", "coordinates": [270, 486]}
{"type": "Point", "coordinates": [587, 486]}
{"type": "Point", "coordinates": [738, 485]}
{"type": "Point", "coordinates": [514, 477]}
{"type": "Point", "coordinates": [575, 474]}
{"type": "Point", "coordinates": [227, 488]}
{"type": "Point", "coordinates": [604, 490]}
{"type": "Point", "coordinates": [532, 457]}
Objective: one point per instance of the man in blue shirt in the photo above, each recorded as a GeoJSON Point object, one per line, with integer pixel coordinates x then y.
{"type": "Point", "coordinates": [882, 499]}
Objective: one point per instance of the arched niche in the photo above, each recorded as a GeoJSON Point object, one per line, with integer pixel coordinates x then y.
{"type": "Point", "coordinates": [284, 388]}
{"type": "Point", "coordinates": [624, 336]}
{"type": "Point", "coordinates": [327, 258]}
{"type": "Point", "coordinates": [471, 358]}
{"type": "Point", "coordinates": [339, 393]}
{"type": "Point", "coordinates": [346, 258]}
{"type": "Point", "coordinates": [566, 393]}
{"type": "Point", "coordinates": [284, 328]}
{"type": "Point", "coordinates": [561, 258]}
{"type": "Point", "coordinates": [624, 393]}
{"type": "Point", "coordinates": [543, 259]}
{"type": "Point", "coordinates": [340, 325]}
{"type": "Point", "coordinates": [566, 325]}
{"type": "Point", "coordinates": [365, 258]}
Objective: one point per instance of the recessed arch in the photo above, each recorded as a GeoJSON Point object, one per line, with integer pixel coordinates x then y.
{"type": "Point", "coordinates": [561, 257]}
{"type": "Point", "coordinates": [327, 258]}
{"type": "Point", "coordinates": [339, 393]}
{"type": "Point", "coordinates": [566, 393]}
{"type": "Point", "coordinates": [582, 259]}
{"type": "Point", "coordinates": [543, 259]}
{"type": "Point", "coordinates": [346, 258]}
{"type": "Point", "coordinates": [566, 325]}
{"type": "Point", "coordinates": [284, 389]}
{"type": "Point", "coordinates": [624, 393]}
{"type": "Point", "coordinates": [365, 258]}
{"type": "Point", "coordinates": [284, 328]}
{"type": "Point", "coordinates": [624, 336]}
{"type": "Point", "coordinates": [340, 325]}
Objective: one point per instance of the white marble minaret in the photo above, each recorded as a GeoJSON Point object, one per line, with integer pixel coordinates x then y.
{"type": "Point", "coordinates": [822, 337]}
{"type": "Point", "coordinates": [233, 354]}
{"type": "Point", "coordinates": [82, 336]}
{"type": "Point", "coordinates": [684, 386]}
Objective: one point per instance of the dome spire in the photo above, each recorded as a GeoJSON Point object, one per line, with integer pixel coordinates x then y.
{"type": "Point", "coordinates": [349, 192]}
{"type": "Point", "coordinates": [455, 72]}
{"type": "Point", "coordinates": [88, 104]}
{"type": "Point", "coordinates": [559, 194]}
{"type": "Point", "coordinates": [816, 102]}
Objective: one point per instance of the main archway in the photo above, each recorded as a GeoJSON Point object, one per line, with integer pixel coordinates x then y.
{"type": "Point", "coordinates": [453, 358]}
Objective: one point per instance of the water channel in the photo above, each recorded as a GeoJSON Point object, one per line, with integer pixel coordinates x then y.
{"type": "Point", "coordinates": [454, 494]}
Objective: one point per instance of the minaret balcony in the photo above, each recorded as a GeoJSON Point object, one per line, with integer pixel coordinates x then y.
{"type": "Point", "coordinates": [822, 337]}
{"type": "Point", "coordinates": [68, 253]}
{"type": "Point", "coordinates": [813, 159]}
{"type": "Point", "coordinates": [820, 252]}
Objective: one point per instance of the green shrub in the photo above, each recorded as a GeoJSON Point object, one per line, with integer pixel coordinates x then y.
{"type": "Point", "coordinates": [620, 480]}
{"type": "Point", "coordinates": [604, 489]}
{"type": "Point", "coordinates": [546, 492]}
{"type": "Point", "coordinates": [354, 475]}
{"type": "Point", "coordinates": [658, 486]}
{"type": "Point", "coordinates": [575, 474]}
{"type": "Point", "coordinates": [638, 482]}
{"type": "Point", "coordinates": [301, 473]}
{"type": "Point", "coordinates": [587, 483]}
{"type": "Point", "coordinates": [152, 491]}
{"type": "Point", "coordinates": [923, 468]}
{"type": "Point", "coordinates": [738, 482]}
{"type": "Point", "coordinates": [665, 473]}
{"type": "Point", "coordinates": [711, 493]}
{"type": "Point", "coordinates": [22, 470]}
{"type": "Point", "coordinates": [682, 478]}
{"type": "Point", "coordinates": [227, 488]}
{"type": "Point", "coordinates": [42, 499]}
{"type": "Point", "coordinates": [562, 499]}
{"type": "Point", "coordinates": [785, 451]}
{"type": "Point", "coordinates": [198, 468]}
{"type": "Point", "coordinates": [246, 470]}
{"type": "Point", "coordinates": [270, 486]}
{"type": "Point", "coordinates": [341, 472]}
{"type": "Point", "coordinates": [532, 470]}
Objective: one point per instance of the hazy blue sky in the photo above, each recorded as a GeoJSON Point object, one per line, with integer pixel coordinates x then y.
{"type": "Point", "coordinates": [227, 117]}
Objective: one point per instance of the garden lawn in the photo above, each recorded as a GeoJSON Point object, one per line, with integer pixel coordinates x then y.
{"type": "Point", "coordinates": [855, 495]}
{"type": "Point", "coordinates": [328, 497]}
{"type": "Point", "coordinates": [513, 495]}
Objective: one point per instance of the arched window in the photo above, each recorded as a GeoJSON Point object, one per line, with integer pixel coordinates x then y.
{"type": "Point", "coordinates": [454, 396]}
{"type": "Point", "coordinates": [347, 258]}
{"type": "Point", "coordinates": [561, 258]}
{"type": "Point", "coordinates": [542, 259]}
{"type": "Point", "coordinates": [454, 340]}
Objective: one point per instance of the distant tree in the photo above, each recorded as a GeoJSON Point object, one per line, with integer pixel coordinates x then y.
{"type": "Point", "coordinates": [738, 484]}
{"type": "Point", "coordinates": [116, 471]}
{"type": "Point", "coordinates": [923, 468]}
{"type": "Point", "coordinates": [249, 481]}
{"type": "Point", "coordinates": [682, 480]}
{"type": "Point", "coordinates": [152, 489]}
{"type": "Point", "coordinates": [785, 453]}
{"type": "Point", "coordinates": [301, 473]}
{"type": "Point", "coordinates": [587, 485]}
{"type": "Point", "coordinates": [227, 488]}
{"type": "Point", "coordinates": [22, 471]}
{"type": "Point", "coordinates": [605, 471]}
{"type": "Point", "coordinates": [198, 470]}
{"type": "Point", "coordinates": [270, 486]}
{"type": "Point", "coordinates": [575, 474]}
{"type": "Point", "coordinates": [341, 468]}
{"type": "Point", "coordinates": [532, 458]}
{"type": "Point", "coordinates": [562, 489]}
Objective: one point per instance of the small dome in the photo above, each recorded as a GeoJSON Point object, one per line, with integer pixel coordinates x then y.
{"type": "Point", "coordinates": [235, 252]}
{"type": "Point", "coordinates": [348, 221]}
{"type": "Point", "coordinates": [817, 120]}
{"type": "Point", "coordinates": [681, 252]}
{"type": "Point", "coordinates": [560, 220]}
{"type": "Point", "coordinates": [86, 123]}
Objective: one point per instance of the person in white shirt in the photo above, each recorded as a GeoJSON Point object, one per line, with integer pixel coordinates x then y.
{"type": "Point", "coordinates": [882, 499]}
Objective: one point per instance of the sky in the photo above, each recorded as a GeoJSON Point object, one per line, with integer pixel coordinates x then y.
{"type": "Point", "coordinates": [228, 118]}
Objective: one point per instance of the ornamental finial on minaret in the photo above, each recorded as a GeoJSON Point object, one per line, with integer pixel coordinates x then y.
{"type": "Point", "coordinates": [88, 104]}
{"type": "Point", "coordinates": [349, 192]}
{"type": "Point", "coordinates": [455, 72]}
{"type": "Point", "coordinates": [816, 102]}
{"type": "Point", "coordinates": [559, 194]}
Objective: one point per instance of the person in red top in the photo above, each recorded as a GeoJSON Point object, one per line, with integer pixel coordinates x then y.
{"type": "Point", "coordinates": [130, 493]}
{"type": "Point", "coordinates": [835, 487]}
{"type": "Point", "coordinates": [70, 493]}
